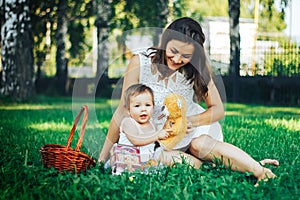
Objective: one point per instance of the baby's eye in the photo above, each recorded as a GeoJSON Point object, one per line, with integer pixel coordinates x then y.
{"type": "Point", "coordinates": [136, 106]}
{"type": "Point", "coordinates": [149, 104]}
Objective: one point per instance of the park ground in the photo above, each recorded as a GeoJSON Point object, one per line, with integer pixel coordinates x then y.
{"type": "Point", "coordinates": [262, 131]}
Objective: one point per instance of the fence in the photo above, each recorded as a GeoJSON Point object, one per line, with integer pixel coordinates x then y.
{"type": "Point", "coordinates": [271, 55]}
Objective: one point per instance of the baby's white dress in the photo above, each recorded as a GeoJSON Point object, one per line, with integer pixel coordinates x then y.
{"type": "Point", "coordinates": [146, 151]}
{"type": "Point", "coordinates": [178, 84]}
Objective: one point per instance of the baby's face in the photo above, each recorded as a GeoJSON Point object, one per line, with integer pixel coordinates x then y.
{"type": "Point", "coordinates": [141, 107]}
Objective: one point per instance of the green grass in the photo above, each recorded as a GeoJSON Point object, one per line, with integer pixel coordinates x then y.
{"type": "Point", "coordinates": [259, 130]}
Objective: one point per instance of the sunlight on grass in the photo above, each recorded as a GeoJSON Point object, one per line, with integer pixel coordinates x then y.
{"type": "Point", "coordinates": [245, 109]}
{"type": "Point", "coordinates": [104, 124]}
{"type": "Point", "coordinates": [62, 103]}
{"type": "Point", "coordinates": [291, 124]}
{"type": "Point", "coordinates": [33, 107]}
{"type": "Point", "coordinates": [60, 106]}
{"type": "Point", "coordinates": [230, 113]}
{"type": "Point", "coordinates": [113, 102]}
{"type": "Point", "coordinates": [53, 126]}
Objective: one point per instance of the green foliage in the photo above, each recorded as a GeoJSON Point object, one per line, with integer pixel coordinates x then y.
{"type": "Point", "coordinates": [200, 9]}
{"type": "Point", "coordinates": [260, 130]}
{"type": "Point", "coordinates": [126, 15]}
{"type": "Point", "coordinates": [44, 23]}
{"type": "Point", "coordinates": [43, 15]}
{"type": "Point", "coordinates": [283, 61]}
{"type": "Point", "coordinates": [178, 8]}
{"type": "Point", "coordinates": [140, 13]}
{"type": "Point", "coordinates": [78, 37]}
{"type": "Point", "coordinates": [270, 19]}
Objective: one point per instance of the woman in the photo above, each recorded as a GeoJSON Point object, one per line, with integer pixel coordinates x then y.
{"type": "Point", "coordinates": [179, 65]}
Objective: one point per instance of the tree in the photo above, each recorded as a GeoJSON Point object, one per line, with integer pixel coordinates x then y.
{"type": "Point", "coordinates": [156, 15]}
{"type": "Point", "coordinates": [141, 14]}
{"type": "Point", "coordinates": [55, 23]}
{"type": "Point", "coordinates": [17, 51]}
{"type": "Point", "coordinates": [43, 18]}
{"type": "Point", "coordinates": [234, 16]}
{"type": "Point", "coordinates": [104, 14]}
{"type": "Point", "coordinates": [270, 18]}
{"type": "Point", "coordinates": [61, 34]}
{"type": "Point", "coordinates": [80, 15]}
{"type": "Point", "coordinates": [234, 67]}
{"type": "Point", "coordinates": [131, 14]}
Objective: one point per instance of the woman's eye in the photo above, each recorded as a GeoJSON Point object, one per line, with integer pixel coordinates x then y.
{"type": "Point", "coordinates": [174, 51]}
{"type": "Point", "coordinates": [186, 56]}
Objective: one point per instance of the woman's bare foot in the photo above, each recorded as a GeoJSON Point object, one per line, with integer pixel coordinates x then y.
{"type": "Point", "coordinates": [269, 161]}
{"type": "Point", "coordinates": [267, 173]}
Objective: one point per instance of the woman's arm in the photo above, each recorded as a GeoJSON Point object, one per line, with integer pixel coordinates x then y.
{"type": "Point", "coordinates": [131, 77]}
{"type": "Point", "coordinates": [215, 109]}
{"type": "Point", "coordinates": [140, 139]}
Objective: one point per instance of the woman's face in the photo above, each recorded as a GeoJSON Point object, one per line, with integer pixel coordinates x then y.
{"type": "Point", "coordinates": [178, 54]}
{"type": "Point", "coordinates": [141, 107]}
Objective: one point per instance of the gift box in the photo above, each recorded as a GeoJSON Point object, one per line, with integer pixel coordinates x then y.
{"type": "Point", "coordinates": [125, 158]}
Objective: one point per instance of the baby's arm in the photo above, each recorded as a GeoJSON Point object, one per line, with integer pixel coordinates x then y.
{"type": "Point", "coordinates": [138, 139]}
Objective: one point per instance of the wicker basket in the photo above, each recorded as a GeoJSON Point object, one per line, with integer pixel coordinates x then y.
{"type": "Point", "coordinates": [64, 158]}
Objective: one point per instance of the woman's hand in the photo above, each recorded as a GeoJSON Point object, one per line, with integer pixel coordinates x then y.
{"type": "Point", "coordinates": [189, 127]}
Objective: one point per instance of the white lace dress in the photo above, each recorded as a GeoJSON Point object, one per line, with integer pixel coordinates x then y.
{"type": "Point", "coordinates": [178, 84]}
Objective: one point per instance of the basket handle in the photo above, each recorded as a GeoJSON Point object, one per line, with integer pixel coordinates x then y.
{"type": "Point", "coordinates": [84, 120]}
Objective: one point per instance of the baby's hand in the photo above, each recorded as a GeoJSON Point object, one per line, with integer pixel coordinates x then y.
{"type": "Point", "coordinates": [163, 134]}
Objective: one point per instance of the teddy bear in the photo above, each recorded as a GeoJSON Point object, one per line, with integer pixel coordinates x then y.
{"type": "Point", "coordinates": [175, 109]}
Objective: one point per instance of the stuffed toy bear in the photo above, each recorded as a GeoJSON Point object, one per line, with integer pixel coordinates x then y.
{"type": "Point", "coordinates": [175, 110]}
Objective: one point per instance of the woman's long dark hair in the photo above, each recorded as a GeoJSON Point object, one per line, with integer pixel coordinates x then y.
{"type": "Point", "coordinates": [197, 70]}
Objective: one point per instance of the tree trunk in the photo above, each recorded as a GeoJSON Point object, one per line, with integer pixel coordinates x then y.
{"type": "Point", "coordinates": [234, 68]}
{"type": "Point", "coordinates": [17, 51]}
{"type": "Point", "coordinates": [104, 12]}
{"type": "Point", "coordinates": [103, 57]}
{"type": "Point", "coordinates": [61, 33]}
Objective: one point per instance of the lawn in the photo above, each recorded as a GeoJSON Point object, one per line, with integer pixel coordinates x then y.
{"type": "Point", "coordinates": [262, 131]}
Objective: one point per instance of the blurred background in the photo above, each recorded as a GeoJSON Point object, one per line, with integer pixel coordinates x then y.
{"type": "Point", "coordinates": [47, 46]}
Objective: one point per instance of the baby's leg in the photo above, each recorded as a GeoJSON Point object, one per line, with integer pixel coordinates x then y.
{"type": "Point", "coordinates": [171, 157]}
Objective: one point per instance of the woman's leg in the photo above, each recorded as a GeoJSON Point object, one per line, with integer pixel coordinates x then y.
{"type": "Point", "coordinates": [207, 148]}
{"type": "Point", "coordinates": [171, 157]}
